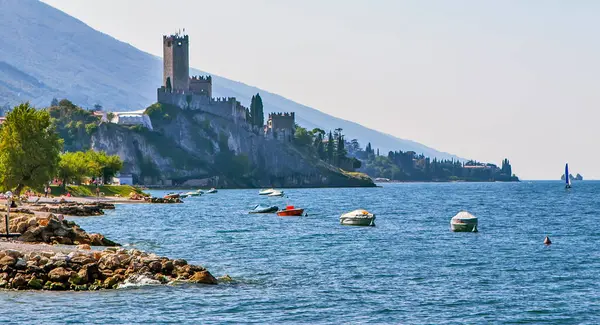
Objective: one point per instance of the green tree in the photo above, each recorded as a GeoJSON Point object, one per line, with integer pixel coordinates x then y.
{"type": "Point", "coordinates": [260, 114]}
{"type": "Point", "coordinates": [73, 167]}
{"type": "Point", "coordinates": [54, 102]}
{"type": "Point", "coordinates": [257, 116]}
{"type": "Point", "coordinates": [102, 165]}
{"type": "Point", "coordinates": [29, 149]}
{"type": "Point", "coordinates": [302, 137]}
{"type": "Point", "coordinates": [330, 148]}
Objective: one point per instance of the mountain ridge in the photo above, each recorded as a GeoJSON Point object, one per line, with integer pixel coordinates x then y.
{"type": "Point", "coordinates": [46, 53]}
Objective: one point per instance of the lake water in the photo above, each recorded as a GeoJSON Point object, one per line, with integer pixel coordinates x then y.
{"type": "Point", "coordinates": [408, 269]}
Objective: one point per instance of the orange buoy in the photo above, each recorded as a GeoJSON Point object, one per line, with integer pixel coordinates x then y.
{"type": "Point", "coordinates": [547, 241]}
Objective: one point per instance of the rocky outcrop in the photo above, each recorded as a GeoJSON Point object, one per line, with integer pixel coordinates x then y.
{"type": "Point", "coordinates": [77, 209]}
{"type": "Point", "coordinates": [162, 200]}
{"type": "Point", "coordinates": [53, 229]}
{"type": "Point", "coordinates": [93, 270]}
{"type": "Point", "coordinates": [192, 145]}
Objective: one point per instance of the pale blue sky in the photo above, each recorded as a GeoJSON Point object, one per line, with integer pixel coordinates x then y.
{"type": "Point", "coordinates": [480, 79]}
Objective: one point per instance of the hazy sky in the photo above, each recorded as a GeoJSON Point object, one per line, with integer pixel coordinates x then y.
{"type": "Point", "coordinates": [479, 79]}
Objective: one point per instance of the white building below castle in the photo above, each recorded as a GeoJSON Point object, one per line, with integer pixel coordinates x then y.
{"type": "Point", "coordinates": [127, 118]}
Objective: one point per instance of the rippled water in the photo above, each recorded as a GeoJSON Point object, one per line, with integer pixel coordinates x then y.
{"type": "Point", "coordinates": [408, 269]}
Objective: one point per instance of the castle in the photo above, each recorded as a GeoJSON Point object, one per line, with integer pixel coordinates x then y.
{"type": "Point", "coordinates": [195, 93]}
{"type": "Point", "coordinates": [281, 126]}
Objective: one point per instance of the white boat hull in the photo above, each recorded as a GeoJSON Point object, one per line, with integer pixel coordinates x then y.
{"type": "Point", "coordinates": [351, 221]}
{"type": "Point", "coordinates": [463, 227]}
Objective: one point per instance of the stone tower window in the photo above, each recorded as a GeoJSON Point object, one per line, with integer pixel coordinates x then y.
{"type": "Point", "coordinates": [179, 43]}
{"type": "Point", "coordinates": [169, 44]}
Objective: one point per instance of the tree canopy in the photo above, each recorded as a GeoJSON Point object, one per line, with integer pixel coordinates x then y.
{"type": "Point", "coordinates": [29, 149]}
{"type": "Point", "coordinates": [75, 167]}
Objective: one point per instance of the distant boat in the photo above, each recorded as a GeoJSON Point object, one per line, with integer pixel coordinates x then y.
{"type": "Point", "coordinates": [172, 196]}
{"type": "Point", "coordinates": [266, 192]}
{"type": "Point", "coordinates": [264, 209]}
{"type": "Point", "coordinates": [358, 218]}
{"type": "Point", "coordinates": [212, 190]}
{"type": "Point", "coordinates": [464, 221]}
{"type": "Point", "coordinates": [291, 211]}
{"type": "Point", "coordinates": [567, 178]}
{"type": "Point", "coordinates": [276, 193]}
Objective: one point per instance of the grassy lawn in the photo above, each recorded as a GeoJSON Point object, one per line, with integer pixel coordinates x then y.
{"type": "Point", "coordinates": [90, 190]}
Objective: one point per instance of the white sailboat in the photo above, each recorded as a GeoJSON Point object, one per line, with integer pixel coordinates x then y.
{"type": "Point", "coordinates": [567, 178]}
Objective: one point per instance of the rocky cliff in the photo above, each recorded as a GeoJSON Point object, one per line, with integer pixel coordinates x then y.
{"type": "Point", "coordinates": [200, 149]}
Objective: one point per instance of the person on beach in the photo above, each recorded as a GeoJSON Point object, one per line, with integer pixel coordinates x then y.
{"type": "Point", "coordinates": [97, 190]}
{"type": "Point", "coordinates": [48, 191]}
{"type": "Point", "coordinates": [45, 191]}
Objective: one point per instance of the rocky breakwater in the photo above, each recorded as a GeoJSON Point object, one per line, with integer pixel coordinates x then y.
{"type": "Point", "coordinates": [93, 270]}
{"type": "Point", "coordinates": [164, 200]}
{"type": "Point", "coordinates": [77, 209]}
{"type": "Point", "coordinates": [53, 229]}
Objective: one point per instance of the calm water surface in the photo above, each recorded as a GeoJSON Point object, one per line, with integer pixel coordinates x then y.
{"type": "Point", "coordinates": [408, 269]}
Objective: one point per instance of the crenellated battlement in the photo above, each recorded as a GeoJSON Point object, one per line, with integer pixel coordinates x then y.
{"type": "Point", "coordinates": [176, 38]}
{"type": "Point", "coordinates": [291, 115]}
{"type": "Point", "coordinates": [202, 78]}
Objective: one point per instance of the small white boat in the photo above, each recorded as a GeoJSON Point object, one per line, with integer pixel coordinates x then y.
{"type": "Point", "coordinates": [358, 218]}
{"type": "Point", "coordinates": [192, 193]}
{"type": "Point", "coordinates": [212, 190]}
{"type": "Point", "coordinates": [183, 195]}
{"type": "Point", "coordinates": [276, 193]}
{"type": "Point", "coordinates": [266, 192]}
{"type": "Point", "coordinates": [464, 221]}
{"type": "Point", "coordinates": [200, 192]}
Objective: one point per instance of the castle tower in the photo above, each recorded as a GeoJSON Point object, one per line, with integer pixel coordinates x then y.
{"type": "Point", "coordinates": [176, 60]}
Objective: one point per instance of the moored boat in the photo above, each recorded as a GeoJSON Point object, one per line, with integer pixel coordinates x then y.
{"type": "Point", "coordinates": [172, 196]}
{"type": "Point", "coordinates": [192, 194]}
{"type": "Point", "coordinates": [464, 221]}
{"type": "Point", "coordinates": [266, 192]}
{"type": "Point", "coordinates": [264, 209]}
{"type": "Point", "coordinates": [291, 211]}
{"type": "Point", "coordinates": [276, 193]}
{"type": "Point", "coordinates": [358, 218]}
{"type": "Point", "coordinates": [212, 190]}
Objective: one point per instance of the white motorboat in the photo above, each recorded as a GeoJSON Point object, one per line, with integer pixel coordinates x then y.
{"type": "Point", "coordinates": [358, 218]}
{"type": "Point", "coordinates": [266, 192]}
{"type": "Point", "coordinates": [464, 221]}
{"type": "Point", "coordinates": [275, 193]}
{"type": "Point", "coordinates": [192, 194]}
{"type": "Point", "coordinates": [212, 190]}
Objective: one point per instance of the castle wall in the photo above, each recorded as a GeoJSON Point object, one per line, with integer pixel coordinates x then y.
{"type": "Point", "coordinates": [201, 86]}
{"type": "Point", "coordinates": [282, 120]}
{"type": "Point", "coordinates": [228, 108]}
{"type": "Point", "coordinates": [176, 62]}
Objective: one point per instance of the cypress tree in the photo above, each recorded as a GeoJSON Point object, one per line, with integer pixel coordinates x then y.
{"type": "Point", "coordinates": [260, 115]}
{"type": "Point", "coordinates": [330, 148]}
{"type": "Point", "coordinates": [253, 110]}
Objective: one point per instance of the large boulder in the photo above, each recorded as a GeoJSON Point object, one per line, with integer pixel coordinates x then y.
{"type": "Point", "coordinates": [203, 277]}
{"type": "Point", "coordinates": [59, 274]}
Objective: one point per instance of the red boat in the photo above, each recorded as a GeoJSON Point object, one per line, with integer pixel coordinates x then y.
{"type": "Point", "coordinates": [291, 211]}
